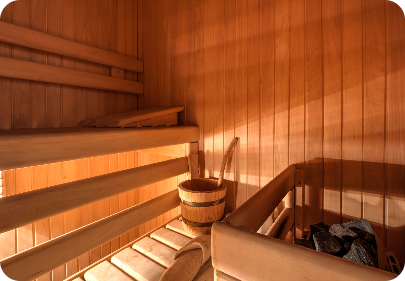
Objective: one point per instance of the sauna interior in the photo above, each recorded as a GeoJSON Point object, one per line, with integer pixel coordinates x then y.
{"type": "Point", "coordinates": [317, 84]}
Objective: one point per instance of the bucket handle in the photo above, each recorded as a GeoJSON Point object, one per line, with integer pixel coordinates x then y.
{"type": "Point", "coordinates": [228, 151]}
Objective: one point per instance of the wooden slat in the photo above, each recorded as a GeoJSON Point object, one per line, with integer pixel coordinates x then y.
{"type": "Point", "coordinates": [108, 258]}
{"type": "Point", "coordinates": [37, 40]}
{"type": "Point", "coordinates": [23, 148]}
{"type": "Point", "coordinates": [21, 209]}
{"type": "Point", "coordinates": [252, 259]}
{"type": "Point", "coordinates": [172, 150]}
{"type": "Point", "coordinates": [170, 238]}
{"type": "Point", "coordinates": [41, 259]}
{"type": "Point", "coordinates": [155, 250]}
{"type": "Point", "coordinates": [166, 120]}
{"type": "Point", "coordinates": [25, 70]}
{"type": "Point", "coordinates": [106, 271]}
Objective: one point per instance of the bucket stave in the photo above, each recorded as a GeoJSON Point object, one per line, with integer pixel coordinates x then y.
{"type": "Point", "coordinates": [202, 203]}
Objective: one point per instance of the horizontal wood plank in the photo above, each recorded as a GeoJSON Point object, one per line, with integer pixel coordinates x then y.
{"type": "Point", "coordinates": [37, 261]}
{"type": "Point", "coordinates": [26, 37]}
{"type": "Point", "coordinates": [30, 147]}
{"type": "Point", "coordinates": [252, 259]}
{"type": "Point", "coordinates": [24, 208]}
{"type": "Point", "coordinates": [25, 70]}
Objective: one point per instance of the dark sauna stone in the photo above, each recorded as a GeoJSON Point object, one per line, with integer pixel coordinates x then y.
{"type": "Point", "coordinates": [304, 243]}
{"type": "Point", "coordinates": [343, 232]}
{"type": "Point", "coordinates": [326, 243]}
{"type": "Point", "coordinates": [345, 246]}
{"type": "Point", "coordinates": [361, 223]}
{"type": "Point", "coordinates": [319, 227]}
{"type": "Point", "coordinates": [363, 253]}
{"type": "Point", "coordinates": [364, 235]}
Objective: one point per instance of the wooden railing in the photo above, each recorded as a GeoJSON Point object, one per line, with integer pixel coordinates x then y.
{"type": "Point", "coordinates": [43, 258]}
{"type": "Point", "coordinates": [18, 69]}
{"type": "Point", "coordinates": [262, 257]}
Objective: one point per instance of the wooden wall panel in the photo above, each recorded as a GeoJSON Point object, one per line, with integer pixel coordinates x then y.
{"type": "Point", "coordinates": [310, 83]}
{"type": "Point", "coordinates": [106, 24]}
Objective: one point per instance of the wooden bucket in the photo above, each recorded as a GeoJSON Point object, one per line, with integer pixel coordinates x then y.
{"type": "Point", "coordinates": [202, 204]}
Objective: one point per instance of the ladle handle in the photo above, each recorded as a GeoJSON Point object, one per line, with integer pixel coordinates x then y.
{"type": "Point", "coordinates": [228, 151]}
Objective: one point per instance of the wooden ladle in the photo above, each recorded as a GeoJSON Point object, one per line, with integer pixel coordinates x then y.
{"type": "Point", "coordinates": [228, 151]}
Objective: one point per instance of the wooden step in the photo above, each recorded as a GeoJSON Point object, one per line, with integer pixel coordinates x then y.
{"type": "Point", "coordinates": [170, 238]}
{"type": "Point", "coordinates": [137, 265]}
{"type": "Point", "coordinates": [105, 271]}
{"type": "Point", "coordinates": [177, 226]}
{"type": "Point", "coordinates": [155, 250]}
{"type": "Point", "coordinates": [78, 279]}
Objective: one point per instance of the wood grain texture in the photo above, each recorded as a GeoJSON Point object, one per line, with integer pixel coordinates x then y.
{"type": "Point", "coordinates": [38, 72]}
{"type": "Point", "coordinates": [53, 145]}
{"type": "Point", "coordinates": [297, 104]}
{"type": "Point", "coordinates": [352, 142]}
{"type": "Point", "coordinates": [314, 113]}
{"type": "Point", "coordinates": [37, 39]}
{"type": "Point", "coordinates": [395, 124]}
{"type": "Point", "coordinates": [332, 90]}
{"type": "Point", "coordinates": [374, 104]}
{"type": "Point", "coordinates": [88, 237]}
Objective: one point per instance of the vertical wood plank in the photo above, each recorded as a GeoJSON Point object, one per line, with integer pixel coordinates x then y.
{"type": "Point", "coordinates": [267, 72]}
{"type": "Point", "coordinates": [374, 113]}
{"type": "Point", "coordinates": [8, 239]}
{"type": "Point", "coordinates": [54, 96]}
{"type": "Point", "coordinates": [395, 129]}
{"type": "Point", "coordinates": [152, 81]}
{"type": "Point", "coordinates": [297, 104]}
{"type": "Point", "coordinates": [6, 106]}
{"type": "Point", "coordinates": [55, 177]}
{"type": "Point", "coordinates": [209, 86]}
{"type": "Point", "coordinates": [133, 196]}
{"type": "Point", "coordinates": [102, 42]}
{"type": "Point", "coordinates": [199, 76]}
{"type": "Point", "coordinates": [82, 172]}
{"type": "Point", "coordinates": [332, 71]}
{"type": "Point", "coordinates": [282, 85]}
{"type": "Point", "coordinates": [94, 208]}
{"type": "Point", "coordinates": [68, 92]}
{"type": "Point", "coordinates": [25, 234]}
{"type": "Point", "coordinates": [130, 38]}
{"type": "Point", "coordinates": [38, 89]}
{"type": "Point", "coordinates": [112, 98]}
{"type": "Point", "coordinates": [71, 217]}
{"type": "Point", "coordinates": [141, 191]}
{"type": "Point", "coordinates": [42, 228]}
{"type": "Point", "coordinates": [144, 51]}
{"type": "Point", "coordinates": [352, 143]}
{"type": "Point", "coordinates": [114, 201]}
{"type": "Point", "coordinates": [314, 113]}
{"type": "Point", "coordinates": [241, 101]}
{"type": "Point", "coordinates": [218, 81]}
{"type": "Point", "coordinates": [80, 37]}
{"type": "Point", "coordinates": [121, 46]}
{"type": "Point", "coordinates": [230, 85]}
{"type": "Point", "coordinates": [123, 198]}
{"type": "Point", "coordinates": [104, 163]}
{"type": "Point", "coordinates": [253, 86]}
{"type": "Point", "coordinates": [91, 40]}
{"type": "Point", "coordinates": [21, 88]}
